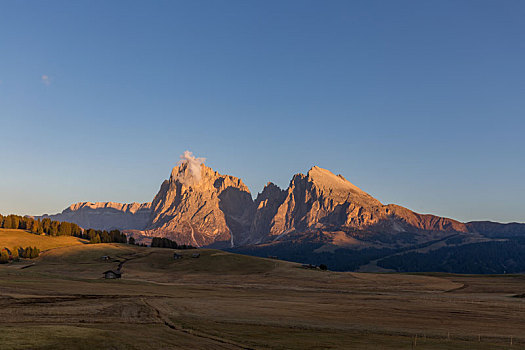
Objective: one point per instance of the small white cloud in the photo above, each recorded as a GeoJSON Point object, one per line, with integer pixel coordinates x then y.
{"type": "Point", "coordinates": [46, 80]}
{"type": "Point", "coordinates": [192, 173]}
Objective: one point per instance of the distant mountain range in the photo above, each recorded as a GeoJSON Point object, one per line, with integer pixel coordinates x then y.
{"type": "Point", "coordinates": [320, 217]}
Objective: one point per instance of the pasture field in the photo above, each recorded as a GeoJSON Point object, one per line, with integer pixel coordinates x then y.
{"type": "Point", "coordinates": [228, 301]}
{"type": "Point", "coordinates": [20, 238]}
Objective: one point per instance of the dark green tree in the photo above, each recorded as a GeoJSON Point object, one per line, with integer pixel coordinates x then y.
{"type": "Point", "coordinates": [95, 239]}
{"type": "Point", "coordinates": [4, 257]}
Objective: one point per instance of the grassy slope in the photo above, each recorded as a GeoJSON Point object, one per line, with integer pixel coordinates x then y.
{"type": "Point", "coordinates": [221, 299]}
{"type": "Point", "coordinates": [20, 238]}
{"type": "Point", "coordinates": [148, 264]}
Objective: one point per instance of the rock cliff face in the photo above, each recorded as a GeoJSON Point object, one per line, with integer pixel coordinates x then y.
{"type": "Point", "coordinates": [106, 215]}
{"type": "Point", "coordinates": [321, 201]}
{"type": "Point", "coordinates": [208, 209]}
{"type": "Point", "coordinates": [321, 198]}
{"type": "Point", "coordinates": [266, 205]}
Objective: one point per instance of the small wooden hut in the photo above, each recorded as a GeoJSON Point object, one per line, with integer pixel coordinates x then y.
{"type": "Point", "coordinates": [111, 274]}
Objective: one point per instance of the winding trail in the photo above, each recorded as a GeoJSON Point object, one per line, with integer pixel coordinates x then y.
{"type": "Point", "coordinates": [167, 322]}
{"type": "Point", "coordinates": [129, 258]}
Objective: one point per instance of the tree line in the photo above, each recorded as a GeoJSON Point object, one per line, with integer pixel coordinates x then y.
{"type": "Point", "coordinates": [60, 228]}
{"type": "Point", "coordinates": [40, 227]}
{"type": "Point", "coordinates": [161, 242]}
{"type": "Point", "coordinates": [26, 253]}
{"type": "Point", "coordinates": [103, 236]}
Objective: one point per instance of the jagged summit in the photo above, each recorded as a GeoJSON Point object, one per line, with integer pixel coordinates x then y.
{"type": "Point", "coordinates": [338, 186]}
{"type": "Point", "coordinates": [325, 178]}
{"type": "Point", "coordinates": [266, 205]}
{"type": "Point", "coordinates": [201, 207]}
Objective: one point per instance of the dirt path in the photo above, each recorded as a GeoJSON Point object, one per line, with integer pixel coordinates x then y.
{"type": "Point", "coordinates": [230, 344]}
{"type": "Point", "coordinates": [129, 258]}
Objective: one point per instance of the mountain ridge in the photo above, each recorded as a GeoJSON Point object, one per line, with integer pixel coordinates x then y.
{"type": "Point", "coordinates": [105, 215]}
{"type": "Point", "coordinates": [201, 207]}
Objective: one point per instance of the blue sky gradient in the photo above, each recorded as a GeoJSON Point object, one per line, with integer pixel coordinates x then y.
{"type": "Point", "coordinates": [419, 103]}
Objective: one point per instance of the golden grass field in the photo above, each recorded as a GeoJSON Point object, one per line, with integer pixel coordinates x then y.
{"type": "Point", "coordinates": [228, 301]}
{"type": "Point", "coordinates": [19, 238]}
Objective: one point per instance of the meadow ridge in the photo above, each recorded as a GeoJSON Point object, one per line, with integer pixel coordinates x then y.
{"type": "Point", "coordinates": [10, 239]}
{"type": "Point", "coordinates": [230, 301]}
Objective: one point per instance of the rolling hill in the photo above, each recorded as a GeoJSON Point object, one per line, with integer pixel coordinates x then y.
{"type": "Point", "coordinates": [21, 238]}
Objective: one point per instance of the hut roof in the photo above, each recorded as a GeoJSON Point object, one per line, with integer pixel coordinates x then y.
{"type": "Point", "coordinates": [112, 271]}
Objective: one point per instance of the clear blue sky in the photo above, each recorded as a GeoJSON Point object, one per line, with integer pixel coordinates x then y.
{"type": "Point", "coordinates": [419, 103]}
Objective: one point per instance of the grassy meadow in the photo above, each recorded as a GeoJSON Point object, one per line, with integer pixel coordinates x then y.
{"type": "Point", "coordinates": [19, 238]}
{"type": "Point", "coordinates": [229, 301]}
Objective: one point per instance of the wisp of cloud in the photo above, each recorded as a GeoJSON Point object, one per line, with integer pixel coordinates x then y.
{"type": "Point", "coordinates": [45, 79]}
{"type": "Point", "coordinates": [192, 175]}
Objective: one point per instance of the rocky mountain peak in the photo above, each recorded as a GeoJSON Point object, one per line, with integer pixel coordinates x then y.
{"type": "Point", "coordinates": [200, 206]}
{"type": "Point", "coordinates": [337, 187]}
{"type": "Point", "coordinates": [266, 205]}
{"type": "Point", "coordinates": [326, 178]}
{"type": "Point", "coordinates": [269, 191]}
